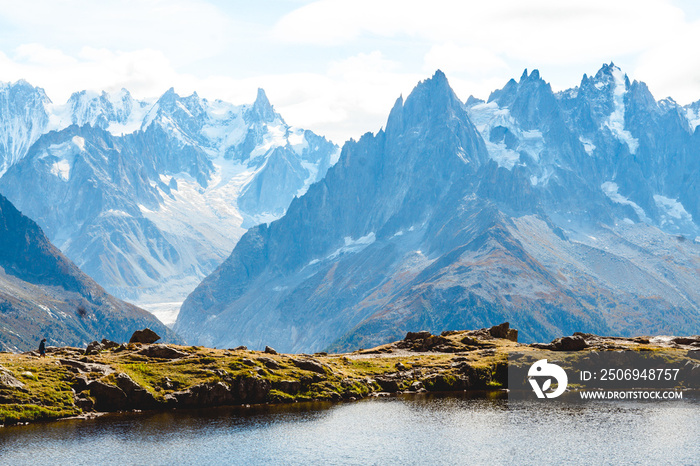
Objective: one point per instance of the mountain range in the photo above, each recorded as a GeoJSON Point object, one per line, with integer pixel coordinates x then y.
{"type": "Point", "coordinates": [557, 211]}
{"type": "Point", "coordinates": [148, 197]}
{"type": "Point", "coordinates": [44, 295]}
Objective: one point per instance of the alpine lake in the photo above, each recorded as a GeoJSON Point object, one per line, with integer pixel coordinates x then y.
{"type": "Point", "coordinates": [454, 428]}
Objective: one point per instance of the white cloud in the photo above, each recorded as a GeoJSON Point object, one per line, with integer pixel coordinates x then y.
{"type": "Point", "coordinates": [333, 66]}
{"type": "Point", "coordinates": [143, 72]}
{"type": "Point", "coordinates": [185, 30]}
{"type": "Point", "coordinates": [671, 67]}
{"type": "Point", "coordinates": [452, 58]}
{"type": "Point", "coordinates": [545, 31]}
{"type": "Point", "coordinates": [37, 54]}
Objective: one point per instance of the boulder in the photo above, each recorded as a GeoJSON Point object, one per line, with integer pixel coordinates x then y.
{"type": "Point", "coordinates": [686, 340]}
{"type": "Point", "coordinates": [388, 384]}
{"type": "Point", "coordinates": [206, 394]}
{"type": "Point", "coordinates": [8, 380]}
{"type": "Point", "coordinates": [444, 383]}
{"type": "Point", "coordinates": [422, 335]}
{"type": "Point", "coordinates": [417, 386]}
{"type": "Point", "coordinates": [287, 386]}
{"type": "Point", "coordinates": [93, 347]}
{"type": "Point", "coordinates": [464, 368]}
{"type": "Point", "coordinates": [138, 397]}
{"type": "Point", "coordinates": [573, 343]}
{"type": "Point", "coordinates": [146, 336]}
{"type": "Point", "coordinates": [641, 340]}
{"type": "Point", "coordinates": [269, 350]}
{"type": "Point", "coordinates": [425, 341]}
{"type": "Point", "coordinates": [86, 367]}
{"type": "Point", "coordinates": [251, 389]}
{"type": "Point", "coordinates": [108, 398]}
{"type": "Point", "coordinates": [109, 344]}
{"type": "Point", "coordinates": [504, 331]}
{"type": "Point", "coordinates": [162, 352]}
{"type": "Point", "coordinates": [85, 404]}
{"type": "Point", "coordinates": [79, 383]}
{"type": "Point", "coordinates": [309, 365]}
{"type": "Point", "coordinates": [693, 354]}
{"type": "Point", "coordinates": [269, 363]}
{"type": "Point", "coordinates": [242, 390]}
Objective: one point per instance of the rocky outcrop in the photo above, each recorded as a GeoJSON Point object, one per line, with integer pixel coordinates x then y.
{"type": "Point", "coordinates": [162, 352]}
{"type": "Point", "coordinates": [424, 341]}
{"type": "Point", "coordinates": [123, 394]}
{"type": "Point", "coordinates": [8, 380]}
{"type": "Point", "coordinates": [236, 391]}
{"type": "Point", "coordinates": [690, 341]}
{"type": "Point", "coordinates": [206, 394]}
{"type": "Point", "coordinates": [287, 386]}
{"type": "Point", "coordinates": [138, 397]}
{"type": "Point", "coordinates": [108, 397]}
{"type": "Point", "coordinates": [579, 341]}
{"type": "Point", "coordinates": [93, 347]}
{"type": "Point", "coordinates": [504, 331]}
{"type": "Point", "coordinates": [269, 362]}
{"type": "Point", "coordinates": [86, 367]}
{"type": "Point", "coordinates": [572, 343]}
{"type": "Point", "coordinates": [309, 364]}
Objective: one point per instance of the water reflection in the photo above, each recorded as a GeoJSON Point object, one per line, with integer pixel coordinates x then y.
{"type": "Point", "coordinates": [409, 430]}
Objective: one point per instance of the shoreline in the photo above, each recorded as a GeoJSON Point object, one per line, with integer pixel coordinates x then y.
{"type": "Point", "coordinates": [76, 383]}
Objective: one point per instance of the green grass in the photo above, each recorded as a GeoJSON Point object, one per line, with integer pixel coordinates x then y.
{"type": "Point", "coordinates": [46, 394]}
{"type": "Point", "coordinates": [14, 413]}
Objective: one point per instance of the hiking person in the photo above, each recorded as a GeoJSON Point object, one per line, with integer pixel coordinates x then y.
{"type": "Point", "coordinates": [42, 348]}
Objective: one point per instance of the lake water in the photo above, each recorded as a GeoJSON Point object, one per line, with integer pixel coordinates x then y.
{"type": "Point", "coordinates": [406, 430]}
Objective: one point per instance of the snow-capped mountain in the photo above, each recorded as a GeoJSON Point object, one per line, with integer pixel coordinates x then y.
{"type": "Point", "coordinates": [23, 118]}
{"type": "Point", "coordinates": [149, 197]}
{"type": "Point", "coordinates": [575, 211]}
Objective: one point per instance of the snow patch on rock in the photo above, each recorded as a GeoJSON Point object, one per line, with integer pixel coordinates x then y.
{"type": "Point", "coordinates": [616, 120]}
{"type": "Point", "coordinates": [610, 189]}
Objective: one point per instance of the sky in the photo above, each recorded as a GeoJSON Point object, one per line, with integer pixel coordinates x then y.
{"type": "Point", "coordinates": [336, 67]}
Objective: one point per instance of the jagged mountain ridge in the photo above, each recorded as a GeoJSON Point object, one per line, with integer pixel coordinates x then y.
{"type": "Point", "coordinates": [43, 294]}
{"type": "Point", "coordinates": [534, 207]}
{"type": "Point", "coordinates": [149, 197]}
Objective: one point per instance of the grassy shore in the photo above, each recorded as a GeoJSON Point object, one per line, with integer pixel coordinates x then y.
{"type": "Point", "coordinates": [68, 383]}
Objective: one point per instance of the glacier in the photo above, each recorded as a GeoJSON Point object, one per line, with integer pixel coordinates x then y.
{"type": "Point", "coordinates": [174, 182]}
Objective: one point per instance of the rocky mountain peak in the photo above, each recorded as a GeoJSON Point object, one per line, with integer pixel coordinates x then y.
{"type": "Point", "coordinates": [534, 76]}
{"type": "Point", "coordinates": [610, 78]}
{"type": "Point", "coordinates": [261, 110]}
{"type": "Point", "coordinates": [432, 102]}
